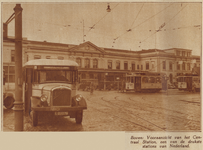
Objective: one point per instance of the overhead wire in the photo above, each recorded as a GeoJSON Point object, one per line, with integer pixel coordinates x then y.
{"type": "Point", "coordinates": [92, 27]}
{"type": "Point", "coordinates": [143, 22]}
{"type": "Point", "coordinates": [165, 24]}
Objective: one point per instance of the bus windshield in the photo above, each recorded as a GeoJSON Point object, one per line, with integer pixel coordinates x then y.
{"type": "Point", "coordinates": [43, 76]}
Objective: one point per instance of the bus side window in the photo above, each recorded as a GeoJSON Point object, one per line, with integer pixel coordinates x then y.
{"type": "Point", "coordinates": [35, 76]}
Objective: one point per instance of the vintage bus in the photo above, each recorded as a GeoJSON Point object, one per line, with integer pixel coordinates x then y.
{"type": "Point", "coordinates": [50, 88]}
{"type": "Point", "coordinates": [189, 82]}
{"type": "Point", "coordinates": [144, 82]}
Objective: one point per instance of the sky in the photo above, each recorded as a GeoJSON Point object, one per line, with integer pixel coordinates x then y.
{"type": "Point", "coordinates": [129, 26]}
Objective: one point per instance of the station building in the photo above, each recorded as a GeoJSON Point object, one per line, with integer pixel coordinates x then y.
{"type": "Point", "coordinates": [98, 64]}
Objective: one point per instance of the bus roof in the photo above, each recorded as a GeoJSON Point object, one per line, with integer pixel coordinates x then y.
{"type": "Point", "coordinates": [50, 62]}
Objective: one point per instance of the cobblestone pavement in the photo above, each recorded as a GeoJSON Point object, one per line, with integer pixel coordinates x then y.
{"type": "Point", "coordinates": [115, 111]}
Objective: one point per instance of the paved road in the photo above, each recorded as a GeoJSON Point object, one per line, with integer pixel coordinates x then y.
{"type": "Point", "coordinates": [113, 111]}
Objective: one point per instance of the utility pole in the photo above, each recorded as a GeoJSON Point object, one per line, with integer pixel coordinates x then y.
{"type": "Point", "coordinates": [18, 69]}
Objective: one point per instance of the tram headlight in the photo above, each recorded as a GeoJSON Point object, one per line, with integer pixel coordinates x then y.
{"type": "Point", "coordinates": [44, 98]}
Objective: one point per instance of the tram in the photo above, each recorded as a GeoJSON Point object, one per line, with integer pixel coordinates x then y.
{"type": "Point", "coordinates": [144, 82]}
{"type": "Point", "coordinates": [189, 82]}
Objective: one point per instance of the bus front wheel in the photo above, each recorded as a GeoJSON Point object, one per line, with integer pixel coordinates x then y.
{"type": "Point", "coordinates": [9, 102]}
{"type": "Point", "coordinates": [34, 118]}
{"type": "Point", "coordinates": [78, 117]}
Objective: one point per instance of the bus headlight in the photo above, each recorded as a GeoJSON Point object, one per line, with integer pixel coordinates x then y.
{"type": "Point", "coordinates": [44, 98]}
{"type": "Point", "coordinates": [78, 98]}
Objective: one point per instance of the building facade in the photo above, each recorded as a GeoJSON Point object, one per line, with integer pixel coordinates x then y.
{"type": "Point", "coordinates": [98, 64]}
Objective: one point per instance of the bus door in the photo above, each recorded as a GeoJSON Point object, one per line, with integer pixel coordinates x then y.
{"type": "Point", "coordinates": [188, 81]}
{"type": "Point", "coordinates": [28, 89]}
{"type": "Point", "coordinates": [137, 83]}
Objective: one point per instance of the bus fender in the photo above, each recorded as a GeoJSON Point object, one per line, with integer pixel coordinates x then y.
{"type": "Point", "coordinates": [79, 100]}
{"type": "Point", "coordinates": [35, 101]}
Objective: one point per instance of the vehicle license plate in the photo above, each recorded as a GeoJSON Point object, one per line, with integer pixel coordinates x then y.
{"type": "Point", "coordinates": [61, 113]}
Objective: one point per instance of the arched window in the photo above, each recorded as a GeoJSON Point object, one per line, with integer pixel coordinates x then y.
{"type": "Point", "coordinates": [125, 65]}
{"type": "Point", "coordinates": [95, 63]}
{"type": "Point", "coordinates": [109, 64]}
{"type": "Point", "coordinates": [117, 64]}
{"type": "Point", "coordinates": [87, 63]}
{"type": "Point", "coordinates": [78, 60]}
{"type": "Point", "coordinates": [133, 66]}
{"type": "Point", "coordinates": [183, 66]}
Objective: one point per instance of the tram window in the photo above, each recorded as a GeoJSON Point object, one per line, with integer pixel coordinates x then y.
{"type": "Point", "coordinates": [145, 80]}
{"type": "Point", "coordinates": [151, 80]}
{"type": "Point", "coordinates": [158, 80]}
{"type": "Point", "coordinates": [131, 80]}
{"type": "Point", "coordinates": [180, 79]}
{"type": "Point", "coordinates": [128, 79]}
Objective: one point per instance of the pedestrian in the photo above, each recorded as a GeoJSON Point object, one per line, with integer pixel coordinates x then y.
{"type": "Point", "coordinates": [91, 88]}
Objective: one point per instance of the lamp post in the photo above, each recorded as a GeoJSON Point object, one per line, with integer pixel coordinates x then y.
{"type": "Point", "coordinates": [18, 69]}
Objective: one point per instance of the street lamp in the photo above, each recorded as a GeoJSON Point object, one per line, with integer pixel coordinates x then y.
{"type": "Point", "coordinates": [108, 8]}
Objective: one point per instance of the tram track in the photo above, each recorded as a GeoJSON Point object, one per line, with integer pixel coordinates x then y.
{"type": "Point", "coordinates": [149, 106]}
{"type": "Point", "coordinates": [172, 116]}
{"type": "Point", "coordinates": [127, 120]}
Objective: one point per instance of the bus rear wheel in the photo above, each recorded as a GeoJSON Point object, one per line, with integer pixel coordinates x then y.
{"type": "Point", "coordinates": [9, 102]}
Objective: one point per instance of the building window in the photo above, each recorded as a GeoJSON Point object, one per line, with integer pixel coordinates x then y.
{"type": "Point", "coordinates": [183, 53]}
{"type": "Point", "coordinates": [60, 57]}
{"type": "Point", "coordinates": [37, 57]}
{"type": "Point", "coordinates": [12, 55]}
{"type": "Point", "coordinates": [9, 74]}
{"type": "Point", "coordinates": [91, 76]}
{"type": "Point", "coordinates": [164, 65]}
{"type": "Point", "coordinates": [83, 76]}
{"type": "Point", "coordinates": [141, 67]}
{"type": "Point", "coordinates": [48, 57]}
{"type": "Point", "coordinates": [147, 65]}
{"type": "Point", "coordinates": [125, 65]}
{"type": "Point", "coordinates": [117, 64]}
{"type": "Point", "coordinates": [78, 60]}
{"type": "Point", "coordinates": [133, 66]}
{"type": "Point", "coordinates": [138, 67]}
{"type": "Point", "coordinates": [153, 65]}
{"type": "Point", "coordinates": [183, 66]}
{"type": "Point", "coordinates": [87, 63]}
{"type": "Point", "coordinates": [188, 66]}
{"type": "Point", "coordinates": [109, 64]}
{"type": "Point", "coordinates": [170, 66]}
{"type": "Point", "coordinates": [188, 54]}
{"type": "Point", "coordinates": [95, 63]}
{"type": "Point", "coordinates": [178, 53]}
{"type": "Point", "coordinates": [178, 66]}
